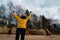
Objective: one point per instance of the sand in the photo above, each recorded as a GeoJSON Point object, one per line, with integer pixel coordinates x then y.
{"type": "Point", "coordinates": [31, 37]}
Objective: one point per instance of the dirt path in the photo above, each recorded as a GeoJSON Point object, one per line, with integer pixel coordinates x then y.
{"type": "Point", "coordinates": [31, 37]}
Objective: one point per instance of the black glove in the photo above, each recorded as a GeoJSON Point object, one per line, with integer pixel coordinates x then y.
{"type": "Point", "coordinates": [13, 11]}
{"type": "Point", "coordinates": [27, 12]}
{"type": "Point", "coordinates": [30, 11]}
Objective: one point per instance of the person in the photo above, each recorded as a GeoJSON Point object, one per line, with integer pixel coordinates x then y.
{"type": "Point", "coordinates": [21, 27]}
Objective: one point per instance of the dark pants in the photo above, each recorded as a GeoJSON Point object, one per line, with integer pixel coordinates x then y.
{"type": "Point", "coordinates": [20, 31]}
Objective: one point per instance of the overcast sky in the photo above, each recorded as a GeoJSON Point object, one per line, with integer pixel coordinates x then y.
{"type": "Point", "coordinates": [49, 8]}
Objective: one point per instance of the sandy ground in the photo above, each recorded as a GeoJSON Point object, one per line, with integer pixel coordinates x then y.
{"type": "Point", "coordinates": [31, 37]}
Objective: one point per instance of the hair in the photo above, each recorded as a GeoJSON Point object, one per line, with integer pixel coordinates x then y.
{"type": "Point", "coordinates": [23, 17]}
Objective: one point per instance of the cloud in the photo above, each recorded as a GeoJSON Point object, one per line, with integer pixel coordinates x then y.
{"type": "Point", "coordinates": [16, 2]}
{"type": "Point", "coordinates": [49, 8]}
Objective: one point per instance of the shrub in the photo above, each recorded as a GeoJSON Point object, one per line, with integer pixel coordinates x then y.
{"type": "Point", "coordinates": [13, 30]}
{"type": "Point", "coordinates": [5, 29]}
{"type": "Point", "coordinates": [42, 32]}
{"type": "Point", "coordinates": [27, 32]}
{"type": "Point", "coordinates": [1, 30]}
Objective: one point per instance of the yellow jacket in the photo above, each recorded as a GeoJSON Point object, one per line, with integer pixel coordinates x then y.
{"type": "Point", "coordinates": [21, 22]}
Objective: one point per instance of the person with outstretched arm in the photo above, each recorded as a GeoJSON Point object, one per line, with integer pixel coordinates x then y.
{"type": "Point", "coordinates": [21, 27]}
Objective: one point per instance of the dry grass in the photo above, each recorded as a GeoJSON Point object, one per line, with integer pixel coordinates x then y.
{"type": "Point", "coordinates": [13, 30]}
{"type": "Point", "coordinates": [4, 30]}
{"type": "Point", "coordinates": [37, 32]}
{"type": "Point", "coordinates": [42, 32]}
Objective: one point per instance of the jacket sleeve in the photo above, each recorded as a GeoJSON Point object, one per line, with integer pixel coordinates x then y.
{"type": "Point", "coordinates": [29, 17]}
{"type": "Point", "coordinates": [15, 16]}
